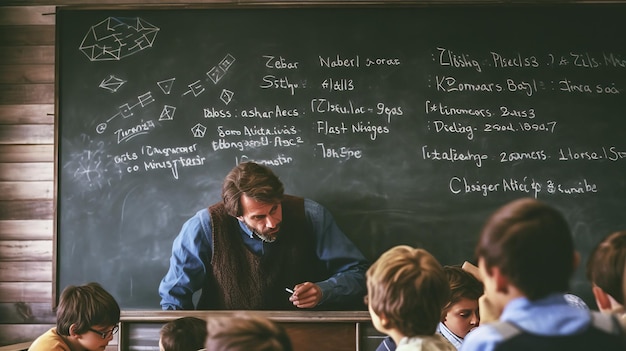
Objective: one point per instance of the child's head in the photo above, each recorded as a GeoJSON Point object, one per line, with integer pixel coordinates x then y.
{"type": "Point", "coordinates": [460, 315]}
{"type": "Point", "coordinates": [246, 332]}
{"type": "Point", "coordinates": [88, 309]}
{"type": "Point", "coordinates": [529, 245]}
{"type": "Point", "coordinates": [606, 269]}
{"type": "Point", "coordinates": [183, 334]}
{"type": "Point", "coordinates": [406, 291]}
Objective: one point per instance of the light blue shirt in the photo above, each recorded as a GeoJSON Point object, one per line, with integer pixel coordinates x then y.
{"type": "Point", "coordinates": [550, 316]}
{"type": "Point", "coordinates": [455, 340]}
{"type": "Point", "coordinates": [192, 251]}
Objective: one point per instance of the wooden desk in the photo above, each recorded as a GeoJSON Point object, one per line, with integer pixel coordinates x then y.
{"type": "Point", "coordinates": [308, 330]}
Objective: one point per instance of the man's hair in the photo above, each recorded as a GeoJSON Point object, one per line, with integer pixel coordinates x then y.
{"type": "Point", "coordinates": [606, 266]}
{"type": "Point", "coordinates": [463, 285]}
{"type": "Point", "coordinates": [85, 306]}
{"type": "Point", "coordinates": [255, 181]}
{"type": "Point", "coordinates": [184, 334]}
{"type": "Point", "coordinates": [530, 242]}
{"type": "Point", "coordinates": [409, 288]}
{"type": "Point", "coordinates": [246, 332]}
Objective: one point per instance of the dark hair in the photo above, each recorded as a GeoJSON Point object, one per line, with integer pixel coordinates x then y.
{"type": "Point", "coordinates": [606, 266]}
{"type": "Point", "coordinates": [530, 242]}
{"type": "Point", "coordinates": [85, 306]}
{"type": "Point", "coordinates": [246, 332]}
{"type": "Point", "coordinates": [255, 181]}
{"type": "Point", "coordinates": [463, 285]}
{"type": "Point", "coordinates": [184, 334]}
{"type": "Point", "coordinates": [408, 286]}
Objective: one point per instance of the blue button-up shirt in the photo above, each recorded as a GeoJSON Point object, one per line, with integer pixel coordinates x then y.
{"type": "Point", "coordinates": [193, 247]}
{"type": "Point", "coordinates": [550, 316]}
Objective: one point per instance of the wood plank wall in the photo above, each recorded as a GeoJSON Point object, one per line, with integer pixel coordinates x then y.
{"type": "Point", "coordinates": [27, 153]}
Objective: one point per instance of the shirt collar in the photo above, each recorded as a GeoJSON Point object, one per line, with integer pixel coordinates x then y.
{"type": "Point", "coordinates": [450, 336]}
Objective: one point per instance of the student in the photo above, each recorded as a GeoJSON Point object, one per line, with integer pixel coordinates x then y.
{"type": "Point", "coordinates": [606, 270]}
{"type": "Point", "coordinates": [406, 292]}
{"type": "Point", "coordinates": [87, 318]}
{"type": "Point", "coordinates": [243, 251]}
{"type": "Point", "coordinates": [246, 332]}
{"type": "Point", "coordinates": [183, 334]}
{"type": "Point", "coordinates": [526, 258]}
{"type": "Point", "coordinates": [460, 315]}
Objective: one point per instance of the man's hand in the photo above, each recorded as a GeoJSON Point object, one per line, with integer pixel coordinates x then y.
{"type": "Point", "coordinates": [306, 295]}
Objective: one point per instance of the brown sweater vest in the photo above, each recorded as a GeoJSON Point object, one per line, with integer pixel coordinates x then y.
{"type": "Point", "coordinates": [241, 280]}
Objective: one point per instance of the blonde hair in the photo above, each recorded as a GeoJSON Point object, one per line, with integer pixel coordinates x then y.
{"type": "Point", "coordinates": [409, 287]}
{"type": "Point", "coordinates": [246, 332]}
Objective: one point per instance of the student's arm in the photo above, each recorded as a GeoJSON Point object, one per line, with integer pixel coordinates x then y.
{"type": "Point", "coordinates": [488, 312]}
{"type": "Point", "coordinates": [340, 255]}
{"type": "Point", "coordinates": [187, 271]}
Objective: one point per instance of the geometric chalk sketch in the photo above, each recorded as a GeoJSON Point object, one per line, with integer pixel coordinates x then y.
{"type": "Point", "coordinates": [216, 73]}
{"type": "Point", "coordinates": [196, 88]}
{"type": "Point", "coordinates": [198, 131]}
{"type": "Point", "coordinates": [166, 85]}
{"type": "Point", "coordinates": [112, 83]}
{"type": "Point", "coordinates": [167, 114]}
{"type": "Point", "coordinates": [226, 96]}
{"type": "Point", "coordinates": [118, 37]}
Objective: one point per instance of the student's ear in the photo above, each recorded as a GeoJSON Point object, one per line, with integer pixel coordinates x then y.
{"type": "Point", "coordinates": [384, 322]}
{"type": "Point", "coordinates": [501, 281]}
{"type": "Point", "coordinates": [73, 329]}
{"type": "Point", "coordinates": [602, 299]}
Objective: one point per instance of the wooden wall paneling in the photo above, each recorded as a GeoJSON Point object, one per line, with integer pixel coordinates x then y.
{"type": "Point", "coordinates": [27, 114]}
{"type": "Point", "coordinates": [27, 271]}
{"type": "Point", "coordinates": [27, 35]}
{"type": "Point", "coordinates": [36, 229]}
{"type": "Point", "coordinates": [26, 55]}
{"type": "Point", "coordinates": [27, 209]}
{"type": "Point", "coordinates": [26, 292]}
{"type": "Point", "coordinates": [25, 250]}
{"type": "Point", "coordinates": [26, 153]}
{"type": "Point", "coordinates": [27, 171]}
{"type": "Point", "coordinates": [21, 15]}
{"type": "Point", "coordinates": [26, 190]}
{"type": "Point", "coordinates": [24, 74]}
{"type": "Point", "coordinates": [27, 94]}
{"type": "Point", "coordinates": [27, 134]}
{"type": "Point", "coordinates": [21, 313]}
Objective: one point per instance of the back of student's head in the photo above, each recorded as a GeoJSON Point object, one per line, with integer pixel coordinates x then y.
{"type": "Point", "coordinates": [246, 332]}
{"type": "Point", "coordinates": [86, 306]}
{"type": "Point", "coordinates": [463, 285]}
{"type": "Point", "coordinates": [530, 242]}
{"type": "Point", "coordinates": [606, 266]}
{"type": "Point", "coordinates": [408, 286]}
{"type": "Point", "coordinates": [183, 334]}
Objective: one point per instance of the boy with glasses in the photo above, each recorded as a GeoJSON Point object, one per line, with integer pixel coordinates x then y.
{"type": "Point", "coordinates": [87, 319]}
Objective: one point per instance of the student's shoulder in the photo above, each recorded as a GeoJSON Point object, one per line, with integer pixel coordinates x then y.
{"type": "Point", "coordinates": [487, 336]}
{"type": "Point", "coordinates": [49, 341]}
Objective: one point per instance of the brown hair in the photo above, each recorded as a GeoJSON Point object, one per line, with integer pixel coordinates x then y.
{"type": "Point", "coordinates": [463, 285]}
{"type": "Point", "coordinates": [530, 242]}
{"type": "Point", "coordinates": [255, 181]}
{"type": "Point", "coordinates": [408, 287]}
{"type": "Point", "coordinates": [85, 306]}
{"type": "Point", "coordinates": [246, 332]}
{"type": "Point", "coordinates": [184, 334]}
{"type": "Point", "coordinates": [606, 266]}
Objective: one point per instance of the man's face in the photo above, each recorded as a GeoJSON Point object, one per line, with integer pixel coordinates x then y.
{"type": "Point", "coordinates": [263, 219]}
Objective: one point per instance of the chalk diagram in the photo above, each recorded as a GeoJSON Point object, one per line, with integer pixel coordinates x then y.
{"type": "Point", "coordinates": [112, 83]}
{"type": "Point", "coordinates": [116, 38]}
{"type": "Point", "coordinates": [92, 168]}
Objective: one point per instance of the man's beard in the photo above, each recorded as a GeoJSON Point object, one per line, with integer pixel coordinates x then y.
{"type": "Point", "coordinates": [265, 238]}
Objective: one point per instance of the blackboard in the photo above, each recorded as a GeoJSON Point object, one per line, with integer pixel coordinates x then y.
{"type": "Point", "coordinates": [410, 123]}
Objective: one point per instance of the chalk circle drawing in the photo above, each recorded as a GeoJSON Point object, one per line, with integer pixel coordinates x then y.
{"type": "Point", "coordinates": [118, 37]}
{"type": "Point", "coordinates": [92, 168]}
{"type": "Point", "coordinates": [112, 83]}
{"type": "Point", "coordinates": [198, 131]}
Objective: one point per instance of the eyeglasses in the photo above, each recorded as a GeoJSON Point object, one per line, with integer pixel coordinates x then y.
{"type": "Point", "coordinates": [106, 334]}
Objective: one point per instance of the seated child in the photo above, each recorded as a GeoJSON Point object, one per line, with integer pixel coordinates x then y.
{"type": "Point", "coordinates": [526, 258]}
{"type": "Point", "coordinates": [246, 332]}
{"type": "Point", "coordinates": [606, 270]}
{"type": "Point", "coordinates": [460, 315]}
{"type": "Point", "coordinates": [87, 317]}
{"type": "Point", "coordinates": [183, 334]}
{"type": "Point", "coordinates": [406, 292]}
